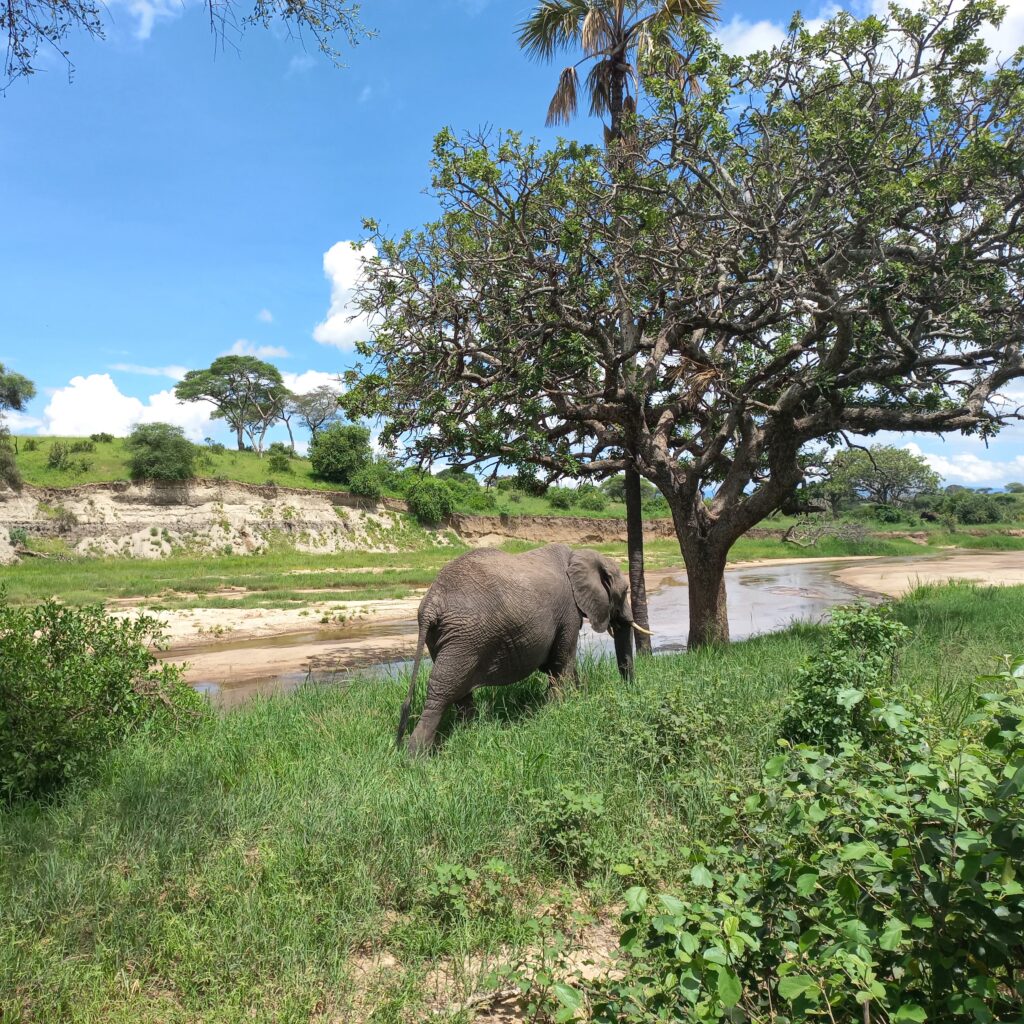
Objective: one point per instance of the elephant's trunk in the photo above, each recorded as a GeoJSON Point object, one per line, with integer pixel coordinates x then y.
{"type": "Point", "coordinates": [623, 635]}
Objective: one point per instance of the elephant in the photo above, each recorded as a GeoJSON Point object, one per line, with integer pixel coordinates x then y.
{"type": "Point", "coordinates": [492, 618]}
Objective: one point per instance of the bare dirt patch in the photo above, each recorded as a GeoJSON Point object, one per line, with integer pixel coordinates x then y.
{"type": "Point", "coordinates": [998, 569]}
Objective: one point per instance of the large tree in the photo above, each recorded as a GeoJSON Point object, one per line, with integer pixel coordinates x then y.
{"type": "Point", "coordinates": [15, 392]}
{"type": "Point", "coordinates": [610, 34]}
{"type": "Point", "coordinates": [317, 408]}
{"type": "Point", "coordinates": [247, 392]}
{"type": "Point", "coordinates": [881, 473]}
{"type": "Point", "coordinates": [33, 24]}
{"type": "Point", "coordinates": [825, 240]}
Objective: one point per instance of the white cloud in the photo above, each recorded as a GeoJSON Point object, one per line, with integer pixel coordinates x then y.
{"type": "Point", "coordinates": [342, 267]}
{"type": "Point", "coordinates": [19, 422]}
{"type": "Point", "coordinates": [300, 64]}
{"type": "Point", "coordinates": [247, 348]}
{"type": "Point", "coordinates": [968, 468]}
{"type": "Point", "coordinates": [303, 383]}
{"type": "Point", "coordinates": [265, 316]}
{"type": "Point", "coordinates": [88, 405]}
{"type": "Point", "coordinates": [365, 93]}
{"type": "Point", "coordinates": [174, 372]}
{"type": "Point", "coordinates": [146, 13]}
{"type": "Point", "coordinates": [740, 36]}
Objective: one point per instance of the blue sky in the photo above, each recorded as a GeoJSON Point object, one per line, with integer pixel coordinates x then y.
{"type": "Point", "coordinates": [175, 202]}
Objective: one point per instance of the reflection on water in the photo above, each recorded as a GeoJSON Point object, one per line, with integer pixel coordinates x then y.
{"type": "Point", "coordinates": [761, 599]}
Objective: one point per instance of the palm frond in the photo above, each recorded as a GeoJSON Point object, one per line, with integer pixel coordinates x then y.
{"type": "Point", "coordinates": [596, 35]}
{"type": "Point", "coordinates": [564, 103]}
{"type": "Point", "coordinates": [554, 25]}
{"type": "Point", "coordinates": [703, 10]}
{"type": "Point", "coordinates": [600, 83]}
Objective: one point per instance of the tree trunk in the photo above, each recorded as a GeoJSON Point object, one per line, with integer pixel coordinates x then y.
{"type": "Point", "coordinates": [705, 583]}
{"type": "Point", "coordinates": [239, 437]}
{"type": "Point", "coordinates": [635, 551]}
{"type": "Point", "coordinates": [291, 437]}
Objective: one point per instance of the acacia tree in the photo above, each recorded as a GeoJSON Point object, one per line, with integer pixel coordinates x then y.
{"type": "Point", "coordinates": [881, 473]}
{"type": "Point", "coordinates": [31, 24]}
{"type": "Point", "coordinates": [247, 392]}
{"type": "Point", "coordinates": [610, 34]}
{"type": "Point", "coordinates": [824, 239]}
{"type": "Point", "coordinates": [16, 391]}
{"type": "Point", "coordinates": [317, 409]}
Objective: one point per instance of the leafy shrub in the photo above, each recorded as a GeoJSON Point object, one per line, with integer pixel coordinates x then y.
{"type": "Point", "coordinates": [9, 472]}
{"type": "Point", "coordinates": [847, 679]}
{"type": "Point", "coordinates": [845, 880]}
{"type": "Point", "coordinates": [560, 498]}
{"type": "Point", "coordinates": [59, 455]}
{"type": "Point", "coordinates": [18, 536]}
{"type": "Point", "coordinates": [566, 828]}
{"type": "Point", "coordinates": [279, 458]}
{"type": "Point", "coordinates": [31, 444]}
{"type": "Point", "coordinates": [430, 500]}
{"type": "Point", "coordinates": [82, 446]}
{"type": "Point", "coordinates": [455, 893]}
{"type": "Point", "coordinates": [102, 437]}
{"type": "Point", "coordinates": [160, 451]}
{"type": "Point", "coordinates": [339, 451]}
{"type": "Point", "coordinates": [887, 514]}
{"type": "Point", "coordinates": [971, 508]}
{"type": "Point", "coordinates": [526, 480]}
{"type": "Point", "coordinates": [215, 447]}
{"type": "Point", "coordinates": [592, 501]}
{"type": "Point", "coordinates": [74, 682]}
{"type": "Point", "coordinates": [371, 481]}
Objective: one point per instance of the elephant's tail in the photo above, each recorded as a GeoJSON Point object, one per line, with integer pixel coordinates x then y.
{"type": "Point", "coordinates": [403, 718]}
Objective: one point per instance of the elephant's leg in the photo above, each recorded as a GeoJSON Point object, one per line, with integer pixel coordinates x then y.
{"type": "Point", "coordinates": [561, 668]}
{"type": "Point", "coordinates": [447, 685]}
{"type": "Point", "coordinates": [465, 708]}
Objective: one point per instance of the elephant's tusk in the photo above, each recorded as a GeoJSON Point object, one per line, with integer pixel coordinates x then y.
{"type": "Point", "coordinates": [640, 629]}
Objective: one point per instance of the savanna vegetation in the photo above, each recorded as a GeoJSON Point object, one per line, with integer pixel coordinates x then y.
{"type": "Point", "coordinates": [283, 862]}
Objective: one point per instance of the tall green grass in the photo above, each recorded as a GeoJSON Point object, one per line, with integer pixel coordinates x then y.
{"type": "Point", "coordinates": [254, 868]}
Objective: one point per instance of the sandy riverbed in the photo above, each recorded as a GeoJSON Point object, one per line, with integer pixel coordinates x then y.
{"type": "Point", "coordinates": [894, 579]}
{"type": "Point", "coordinates": [239, 643]}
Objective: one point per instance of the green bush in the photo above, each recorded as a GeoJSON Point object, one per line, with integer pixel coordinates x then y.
{"type": "Point", "coordinates": [887, 514]}
{"type": "Point", "coordinates": [160, 451]}
{"type": "Point", "coordinates": [844, 881]}
{"type": "Point", "coordinates": [279, 458]}
{"type": "Point", "coordinates": [59, 455]}
{"type": "Point", "coordinates": [31, 444]}
{"type": "Point", "coordinates": [9, 472]}
{"type": "Point", "coordinates": [83, 446]}
{"type": "Point", "coordinates": [430, 500]}
{"type": "Point", "coordinates": [971, 508]}
{"type": "Point", "coordinates": [592, 501]}
{"type": "Point", "coordinates": [18, 536]}
{"type": "Point", "coordinates": [371, 481]}
{"type": "Point", "coordinates": [560, 498]}
{"type": "Point", "coordinates": [339, 451]}
{"type": "Point", "coordinates": [74, 682]}
{"type": "Point", "coordinates": [102, 438]}
{"type": "Point", "coordinates": [837, 694]}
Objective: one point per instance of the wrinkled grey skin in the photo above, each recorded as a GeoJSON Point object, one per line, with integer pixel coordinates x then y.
{"type": "Point", "coordinates": [493, 618]}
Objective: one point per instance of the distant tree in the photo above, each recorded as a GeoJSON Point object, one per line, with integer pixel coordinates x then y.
{"type": "Point", "coordinates": [15, 392]}
{"type": "Point", "coordinates": [881, 473]}
{"type": "Point", "coordinates": [317, 408]}
{"type": "Point", "coordinates": [340, 451]}
{"type": "Point", "coordinates": [1014, 488]}
{"type": "Point", "coordinates": [247, 392]}
{"type": "Point", "coordinates": [160, 451]}
{"type": "Point", "coordinates": [31, 24]}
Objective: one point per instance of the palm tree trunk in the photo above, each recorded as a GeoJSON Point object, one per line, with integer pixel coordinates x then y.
{"type": "Point", "coordinates": [634, 511]}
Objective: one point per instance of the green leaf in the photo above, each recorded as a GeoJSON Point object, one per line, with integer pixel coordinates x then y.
{"type": "Point", "coordinates": [892, 935]}
{"type": "Point", "coordinates": [700, 875]}
{"type": "Point", "coordinates": [792, 986]}
{"type": "Point", "coordinates": [568, 996]}
{"type": "Point", "coordinates": [672, 905]}
{"type": "Point", "coordinates": [729, 988]}
{"type": "Point", "coordinates": [807, 883]}
{"type": "Point", "coordinates": [636, 898]}
{"type": "Point", "coordinates": [908, 1012]}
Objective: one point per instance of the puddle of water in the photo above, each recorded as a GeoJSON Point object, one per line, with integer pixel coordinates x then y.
{"type": "Point", "coordinates": [761, 600]}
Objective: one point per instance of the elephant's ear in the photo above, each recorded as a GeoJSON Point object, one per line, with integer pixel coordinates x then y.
{"type": "Point", "coordinates": [588, 576]}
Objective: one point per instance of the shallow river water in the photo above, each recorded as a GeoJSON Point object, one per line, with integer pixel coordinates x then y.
{"type": "Point", "coordinates": [761, 599]}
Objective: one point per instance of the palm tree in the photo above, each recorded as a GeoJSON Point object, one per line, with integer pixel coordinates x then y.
{"type": "Point", "coordinates": [611, 33]}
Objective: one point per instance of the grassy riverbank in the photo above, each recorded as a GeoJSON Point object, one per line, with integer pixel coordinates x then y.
{"type": "Point", "coordinates": [284, 578]}
{"type": "Point", "coordinates": [283, 863]}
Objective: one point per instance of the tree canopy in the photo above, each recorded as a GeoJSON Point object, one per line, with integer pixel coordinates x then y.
{"type": "Point", "coordinates": [31, 25]}
{"type": "Point", "coordinates": [881, 473]}
{"type": "Point", "coordinates": [246, 392]}
{"type": "Point", "coordinates": [823, 240]}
